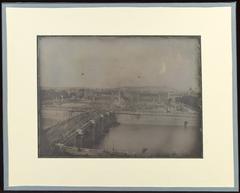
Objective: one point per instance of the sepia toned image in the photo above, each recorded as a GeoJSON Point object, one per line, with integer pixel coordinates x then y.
{"type": "Point", "coordinates": [119, 97]}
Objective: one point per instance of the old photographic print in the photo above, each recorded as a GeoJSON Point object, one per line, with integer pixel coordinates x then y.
{"type": "Point", "coordinates": [119, 97]}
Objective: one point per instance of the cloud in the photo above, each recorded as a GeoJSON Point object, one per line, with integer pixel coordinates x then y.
{"type": "Point", "coordinates": [162, 68]}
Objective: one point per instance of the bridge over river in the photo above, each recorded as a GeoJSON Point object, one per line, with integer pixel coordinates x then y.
{"type": "Point", "coordinates": [84, 130]}
{"type": "Point", "coordinates": [87, 129]}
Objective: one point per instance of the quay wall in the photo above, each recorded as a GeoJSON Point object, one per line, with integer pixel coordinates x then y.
{"type": "Point", "coordinates": [161, 119]}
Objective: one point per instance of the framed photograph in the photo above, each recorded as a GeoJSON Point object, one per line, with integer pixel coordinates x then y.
{"type": "Point", "coordinates": [120, 97]}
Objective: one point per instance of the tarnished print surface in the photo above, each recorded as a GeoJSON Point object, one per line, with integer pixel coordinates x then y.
{"type": "Point", "coordinates": [119, 96]}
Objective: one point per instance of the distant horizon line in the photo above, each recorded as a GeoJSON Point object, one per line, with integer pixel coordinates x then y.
{"type": "Point", "coordinates": [82, 87]}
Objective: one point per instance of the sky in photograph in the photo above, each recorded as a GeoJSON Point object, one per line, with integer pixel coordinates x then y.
{"type": "Point", "coordinates": [109, 62]}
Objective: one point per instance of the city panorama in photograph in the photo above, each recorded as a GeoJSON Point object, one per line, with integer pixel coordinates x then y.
{"type": "Point", "coordinates": [119, 97]}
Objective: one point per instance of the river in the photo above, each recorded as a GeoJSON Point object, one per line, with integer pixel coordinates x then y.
{"type": "Point", "coordinates": [153, 140]}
